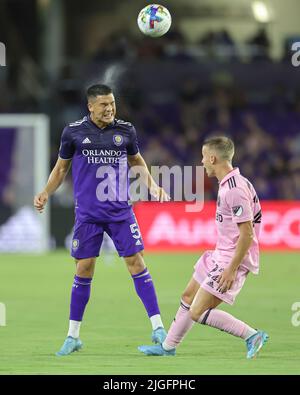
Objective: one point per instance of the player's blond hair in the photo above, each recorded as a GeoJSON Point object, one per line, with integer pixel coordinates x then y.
{"type": "Point", "coordinates": [223, 146]}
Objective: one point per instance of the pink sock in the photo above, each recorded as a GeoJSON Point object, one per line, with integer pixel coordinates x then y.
{"type": "Point", "coordinates": [180, 326]}
{"type": "Point", "coordinates": [226, 322]}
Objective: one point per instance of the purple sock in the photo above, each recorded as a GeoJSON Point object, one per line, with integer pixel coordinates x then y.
{"type": "Point", "coordinates": [80, 296]}
{"type": "Point", "coordinates": [145, 289]}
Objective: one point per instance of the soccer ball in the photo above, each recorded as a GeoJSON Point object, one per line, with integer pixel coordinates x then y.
{"type": "Point", "coordinates": [154, 20]}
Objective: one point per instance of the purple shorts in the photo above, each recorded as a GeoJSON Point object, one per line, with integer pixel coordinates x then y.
{"type": "Point", "coordinates": [88, 237]}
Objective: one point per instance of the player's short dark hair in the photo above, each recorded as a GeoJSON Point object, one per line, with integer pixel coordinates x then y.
{"type": "Point", "coordinates": [98, 90]}
{"type": "Point", "coordinates": [223, 145]}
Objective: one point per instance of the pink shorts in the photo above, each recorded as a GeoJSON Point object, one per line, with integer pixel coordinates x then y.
{"type": "Point", "coordinates": [208, 268]}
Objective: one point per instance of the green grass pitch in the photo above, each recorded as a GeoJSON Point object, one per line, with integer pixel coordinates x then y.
{"type": "Point", "coordinates": [36, 292]}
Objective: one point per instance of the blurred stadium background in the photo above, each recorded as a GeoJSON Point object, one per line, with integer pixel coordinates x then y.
{"type": "Point", "coordinates": [223, 68]}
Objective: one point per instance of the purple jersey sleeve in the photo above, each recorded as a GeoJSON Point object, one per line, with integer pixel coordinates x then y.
{"type": "Point", "coordinates": [66, 149]}
{"type": "Point", "coordinates": [239, 205]}
{"type": "Point", "coordinates": [132, 146]}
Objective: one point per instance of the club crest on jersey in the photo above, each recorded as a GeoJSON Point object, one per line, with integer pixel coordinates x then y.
{"type": "Point", "coordinates": [237, 211]}
{"type": "Point", "coordinates": [118, 139]}
{"type": "Point", "coordinates": [75, 244]}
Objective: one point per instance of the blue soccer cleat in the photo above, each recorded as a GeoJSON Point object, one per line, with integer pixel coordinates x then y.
{"type": "Point", "coordinates": [159, 335]}
{"type": "Point", "coordinates": [255, 343]}
{"type": "Point", "coordinates": [70, 345]}
{"type": "Point", "coordinates": [156, 350]}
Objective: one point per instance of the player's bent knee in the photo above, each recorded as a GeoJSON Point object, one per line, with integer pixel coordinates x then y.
{"type": "Point", "coordinates": [196, 314]}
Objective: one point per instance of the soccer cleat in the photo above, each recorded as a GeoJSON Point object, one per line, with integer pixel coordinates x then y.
{"type": "Point", "coordinates": [255, 343]}
{"type": "Point", "coordinates": [156, 350]}
{"type": "Point", "coordinates": [70, 345]}
{"type": "Point", "coordinates": [159, 335]}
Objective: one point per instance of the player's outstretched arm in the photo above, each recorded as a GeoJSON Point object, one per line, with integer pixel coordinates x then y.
{"type": "Point", "coordinates": [56, 178]}
{"type": "Point", "coordinates": [142, 169]}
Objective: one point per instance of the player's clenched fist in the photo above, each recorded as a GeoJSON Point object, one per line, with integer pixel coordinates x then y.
{"type": "Point", "coordinates": [40, 201]}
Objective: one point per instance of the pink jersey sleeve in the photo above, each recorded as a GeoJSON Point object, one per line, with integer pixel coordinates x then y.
{"type": "Point", "coordinates": [239, 202]}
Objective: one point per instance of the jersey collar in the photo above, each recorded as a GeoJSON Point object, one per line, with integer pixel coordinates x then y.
{"type": "Point", "coordinates": [97, 127]}
{"type": "Point", "coordinates": [233, 172]}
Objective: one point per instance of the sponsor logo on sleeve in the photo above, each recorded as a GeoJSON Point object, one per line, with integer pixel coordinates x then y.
{"type": "Point", "coordinates": [237, 211]}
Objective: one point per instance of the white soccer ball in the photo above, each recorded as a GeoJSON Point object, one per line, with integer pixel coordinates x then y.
{"type": "Point", "coordinates": [154, 20]}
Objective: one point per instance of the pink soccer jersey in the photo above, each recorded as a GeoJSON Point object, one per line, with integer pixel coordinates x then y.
{"type": "Point", "coordinates": [237, 202]}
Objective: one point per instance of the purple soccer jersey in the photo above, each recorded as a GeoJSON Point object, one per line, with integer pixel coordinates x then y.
{"type": "Point", "coordinates": [99, 168]}
{"type": "Point", "coordinates": [99, 162]}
